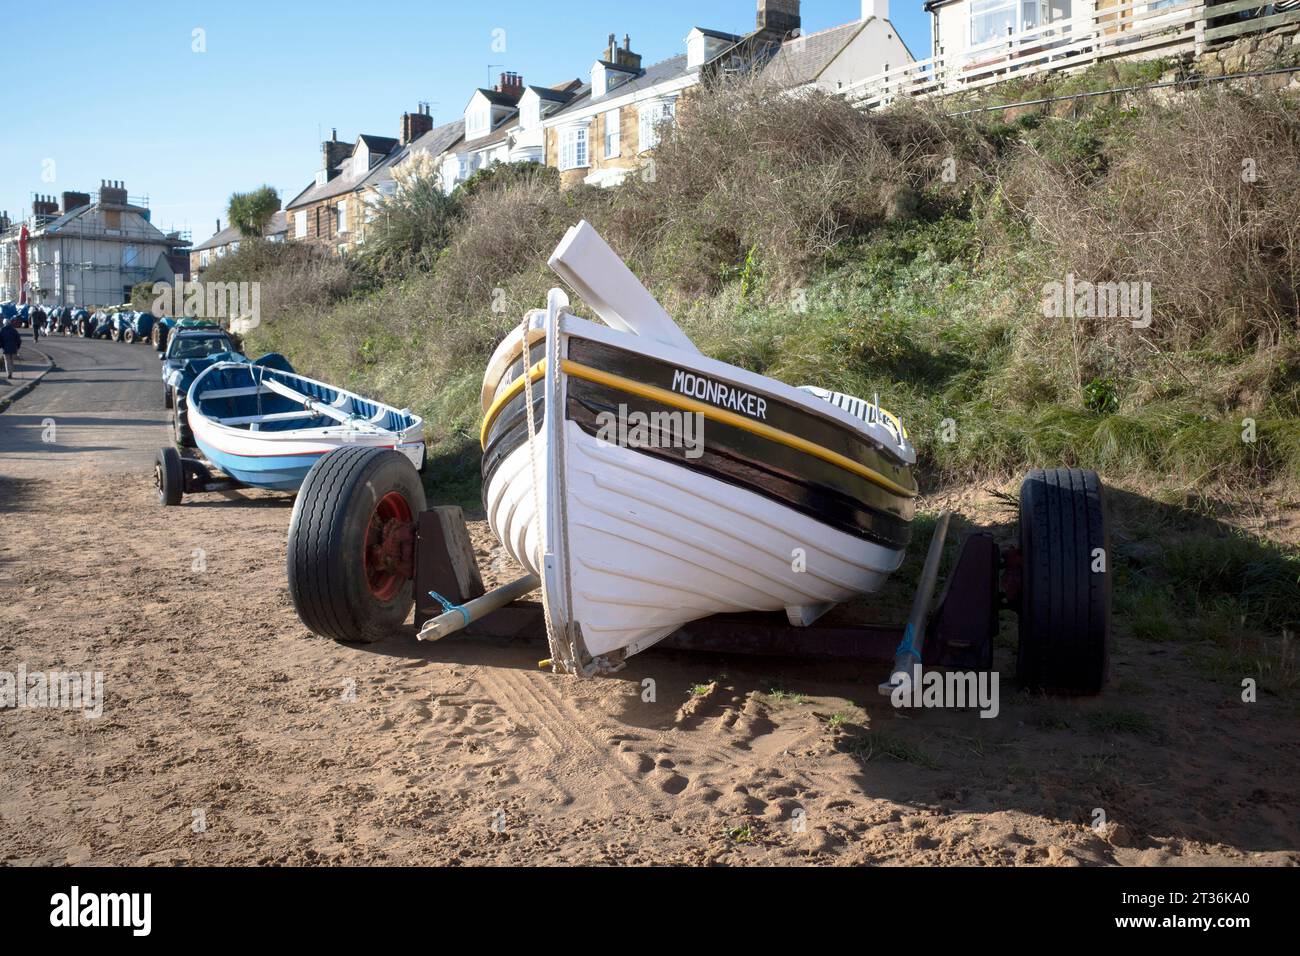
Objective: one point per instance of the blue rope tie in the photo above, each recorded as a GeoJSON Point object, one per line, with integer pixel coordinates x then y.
{"type": "Point", "coordinates": [448, 606]}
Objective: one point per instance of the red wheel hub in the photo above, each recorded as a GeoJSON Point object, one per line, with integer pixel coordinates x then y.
{"type": "Point", "coordinates": [388, 549]}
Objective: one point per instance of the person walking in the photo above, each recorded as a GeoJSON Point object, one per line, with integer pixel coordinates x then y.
{"type": "Point", "coordinates": [10, 343]}
{"type": "Point", "coordinates": [38, 323]}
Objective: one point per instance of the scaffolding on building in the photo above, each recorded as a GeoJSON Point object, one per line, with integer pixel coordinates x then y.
{"type": "Point", "coordinates": [68, 266]}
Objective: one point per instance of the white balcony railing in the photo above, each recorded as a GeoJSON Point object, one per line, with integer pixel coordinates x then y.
{"type": "Point", "coordinates": [1146, 28]}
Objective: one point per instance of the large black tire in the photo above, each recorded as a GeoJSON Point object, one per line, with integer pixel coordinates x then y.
{"type": "Point", "coordinates": [1065, 582]}
{"type": "Point", "coordinates": [169, 476]}
{"type": "Point", "coordinates": [331, 585]}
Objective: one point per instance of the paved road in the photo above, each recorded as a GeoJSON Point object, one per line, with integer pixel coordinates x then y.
{"type": "Point", "coordinates": [105, 402]}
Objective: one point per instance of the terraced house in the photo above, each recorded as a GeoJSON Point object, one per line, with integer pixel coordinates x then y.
{"type": "Point", "coordinates": [225, 241]}
{"type": "Point", "coordinates": [503, 125]}
{"type": "Point", "coordinates": [332, 209]}
{"type": "Point", "coordinates": [613, 123]}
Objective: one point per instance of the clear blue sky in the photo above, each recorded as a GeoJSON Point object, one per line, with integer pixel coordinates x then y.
{"type": "Point", "coordinates": [129, 99]}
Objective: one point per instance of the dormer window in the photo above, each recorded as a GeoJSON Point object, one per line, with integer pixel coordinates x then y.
{"type": "Point", "coordinates": [703, 45]}
{"type": "Point", "coordinates": [604, 78]}
{"type": "Point", "coordinates": [478, 122]}
{"type": "Point", "coordinates": [361, 163]}
{"type": "Point", "coordinates": [530, 110]}
{"type": "Point", "coordinates": [322, 177]}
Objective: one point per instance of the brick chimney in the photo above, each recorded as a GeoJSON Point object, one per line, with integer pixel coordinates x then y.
{"type": "Point", "coordinates": [415, 125]}
{"type": "Point", "coordinates": [73, 201]}
{"type": "Point", "coordinates": [622, 56]}
{"type": "Point", "coordinates": [778, 18]}
{"type": "Point", "coordinates": [5, 222]}
{"type": "Point", "coordinates": [333, 152]}
{"type": "Point", "coordinates": [44, 206]}
{"type": "Point", "coordinates": [512, 84]}
{"type": "Point", "coordinates": [112, 192]}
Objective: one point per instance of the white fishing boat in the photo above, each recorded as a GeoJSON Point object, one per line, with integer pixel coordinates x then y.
{"type": "Point", "coordinates": [652, 486]}
{"type": "Point", "coordinates": [266, 427]}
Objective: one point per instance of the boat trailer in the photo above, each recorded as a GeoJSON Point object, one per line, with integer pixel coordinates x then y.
{"type": "Point", "coordinates": [1056, 580]}
{"type": "Point", "coordinates": [957, 631]}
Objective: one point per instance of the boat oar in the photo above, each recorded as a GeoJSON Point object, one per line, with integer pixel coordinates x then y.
{"type": "Point", "coordinates": [329, 411]}
{"type": "Point", "coordinates": [462, 615]}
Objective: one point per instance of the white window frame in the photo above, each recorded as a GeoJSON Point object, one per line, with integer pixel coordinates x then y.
{"type": "Point", "coordinates": [341, 214]}
{"type": "Point", "coordinates": [998, 14]}
{"type": "Point", "coordinates": [614, 141]}
{"type": "Point", "coordinates": [649, 116]}
{"type": "Point", "coordinates": [300, 224]}
{"type": "Point", "coordinates": [575, 151]}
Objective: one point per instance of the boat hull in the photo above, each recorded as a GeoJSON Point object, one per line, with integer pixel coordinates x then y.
{"type": "Point", "coordinates": [261, 463]}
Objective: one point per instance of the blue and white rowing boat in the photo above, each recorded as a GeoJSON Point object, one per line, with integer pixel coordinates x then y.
{"type": "Point", "coordinates": [266, 427]}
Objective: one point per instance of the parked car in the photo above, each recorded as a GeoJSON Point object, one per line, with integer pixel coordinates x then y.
{"type": "Point", "coordinates": [187, 344]}
{"type": "Point", "coordinates": [163, 328]}
{"type": "Point", "coordinates": [72, 319]}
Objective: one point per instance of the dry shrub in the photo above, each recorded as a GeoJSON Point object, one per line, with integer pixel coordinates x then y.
{"type": "Point", "coordinates": [748, 167]}
{"type": "Point", "coordinates": [1171, 205]}
{"type": "Point", "coordinates": [294, 276]}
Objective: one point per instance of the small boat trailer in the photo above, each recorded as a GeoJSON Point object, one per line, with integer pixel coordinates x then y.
{"type": "Point", "coordinates": [1056, 580]}
{"type": "Point", "coordinates": [176, 475]}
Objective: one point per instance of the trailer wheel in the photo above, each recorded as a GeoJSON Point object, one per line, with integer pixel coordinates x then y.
{"type": "Point", "coordinates": [1065, 586]}
{"type": "Point", "coordinates": [128, 336]}
{"type": "Point", "coordinates": [169, 476]}
{"type": "Point", "coordinates": [180, 425]}
{"type": "Point", "coordinates": [351, 544]}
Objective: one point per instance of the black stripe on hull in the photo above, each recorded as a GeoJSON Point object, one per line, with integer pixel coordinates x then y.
{"type": "Point", "coordinates": [776, 412]}
{"type": "Point", "coordinates": [799, 481]}
{"type": "Point", "coordinates": [821, 490]}
{"type": "Point", "coordinates": [509, 431]}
